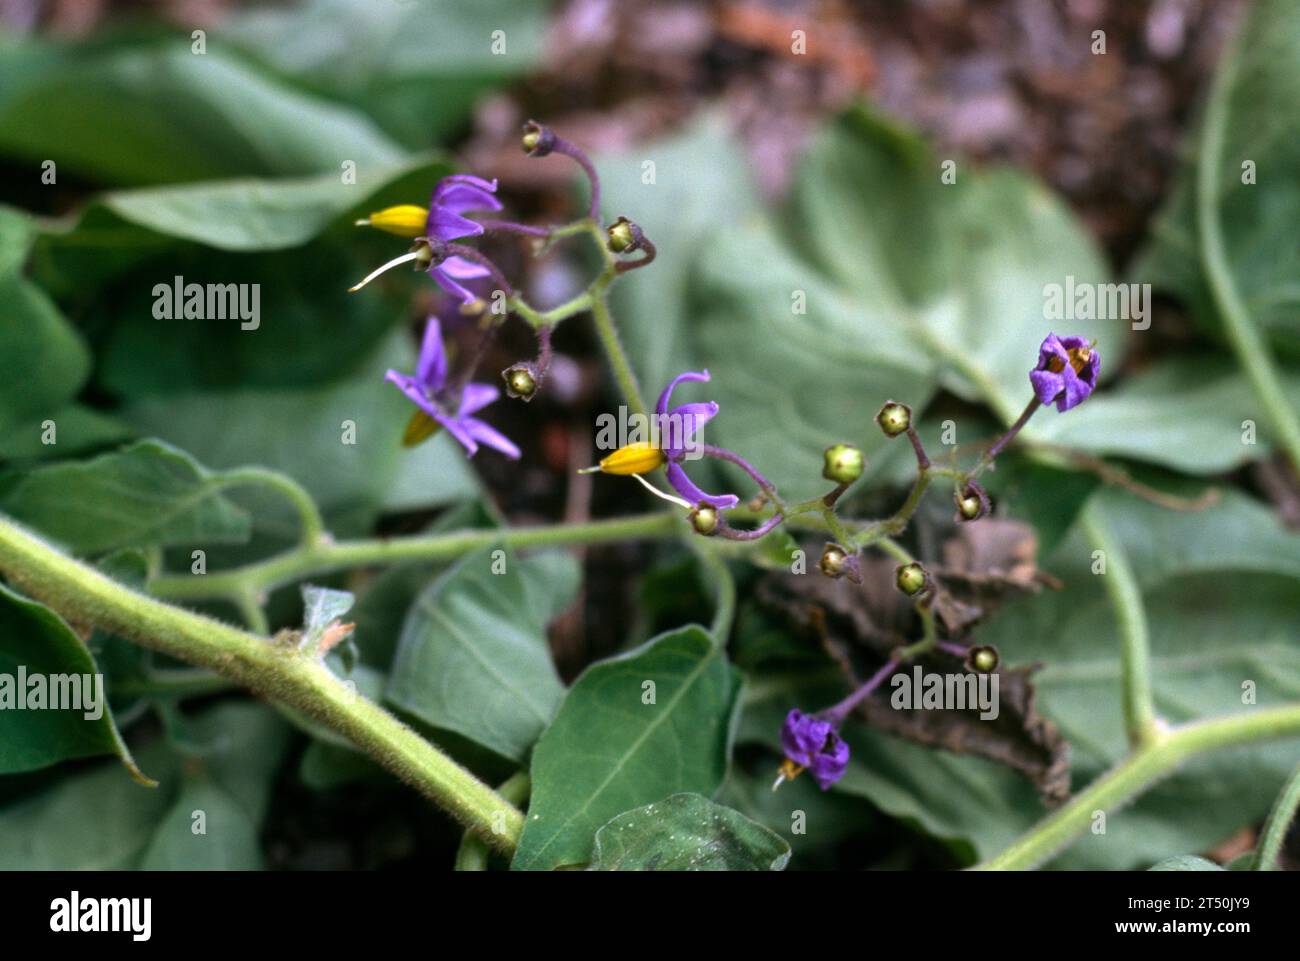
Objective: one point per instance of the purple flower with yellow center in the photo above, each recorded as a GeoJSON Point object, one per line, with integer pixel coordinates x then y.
{"type": "Point", "coordinates": [443, 404]}
{"type": "Point", "coordinates": [812, 744]}
{"type": "Point", "coordinates": [1066, 372]}
{"type": "Point", "coordinates": [676, 430]}
{"type": "Point", "coordinates": [444, 221]}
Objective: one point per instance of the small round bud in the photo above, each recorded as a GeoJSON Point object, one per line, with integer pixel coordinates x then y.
{"type": "Point", "coordinates": [911, 579]}
{"type": "Point", "coordinates": [538, 140]}
{"type": "Point", "coordinates": [834, 562]}
{"type": "Point", "coordinates": [704, 519]}
{"type": "Point", "coordinates": [843, 464]}
{"type": "Point", "coordinates": [624, 236]}
{"type": "Point", "coordinates": [982, 659]}
{"type": "Point", "coordinates": [972, 502]}
{"type": "Point", "coordinates": [520, 381]}
{"type": "Point", "coordinates": [894, 418]}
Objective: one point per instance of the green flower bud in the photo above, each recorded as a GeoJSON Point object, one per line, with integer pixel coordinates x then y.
{"type": "Point", "coordinates": [982, 659]}
{"type": "Point", "coordinates": [972, 502]}
{"type": "Point", "coordinates": [704, 519]}
{"type": "Point", "coordinates": [834, 562]}
{"type": "Point", "coordinates": [538, 140]}
{"type": "Point", "coordinates": [911, 579]}
{"type": "Point", "coordinates": [520, 381]}
{"type": "Point", "coordinates": [843, 464]}
{"type": "Point", "coordinates": [894, 418]}
{"type": "Point", "coordinates": [624, 236]}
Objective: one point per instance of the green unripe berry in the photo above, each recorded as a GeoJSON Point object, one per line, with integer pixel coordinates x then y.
{"type": "Point", "coordinates": [983, 659]}
{"type": "Point", "coordinates": [911, 579]}
{"type": "Point", "coordinates": [894, 418]}
{"type": "Point", "coordinates": [622, 237]}
{"type": "Point", "coordinates": [843, 464]}
{"type": "Point", "coordinates": [834, 561]}
{"type": "Point", "coordinates": [520, 381]}
{"type": "Point", "coordinates": [705, 520]}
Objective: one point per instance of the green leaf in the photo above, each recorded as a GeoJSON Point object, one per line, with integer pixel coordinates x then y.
{"type": "Point", "coordinates": [302, 433]}
{"type": "Point", "coordinates": [473, 656]}
{"type": "Point", "coordinates": [100, 820]}
{"type": "Point", "coordinates": [1258, 219]}
{"type": "Point", "coordinates": [687, 832]}
{"type": "Point", "coordinates": [608, 750]}
{"type": "Point", "coordinates": [43, 361]}
{"type": "Point", "coordinates": [414, 69]}
{"type": "Point", "coordinates": [1219, 589]}
{"type": "Point", "coordinates": [1188, 414]}
{"type": "Point", "coordinates": [205, 830]}
{"type": "Point", "coordinates": [154, 112]}
{"type": "Point", "coordinates": [1185, 862]}
{"type": "Point", "coordinates": [144, 495]}
{"type": "Point", "coordinates": [36, 642]}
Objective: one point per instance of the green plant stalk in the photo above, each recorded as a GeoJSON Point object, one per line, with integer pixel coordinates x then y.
{"type": "Point", "coordinates": [1121, 585]}
{"type": "Point", "coordinates": [1244, 337]}
{"type": "Point", "coordinates": [83, 595]}
{"type": "Point", "coordinates": [1279, 819]}
{"type": "Point", "coordinates": [312, 527]}
{"type": "Point", "coordinates": [472, 855]}
{"type": "Point", "coordinates": [327, 557]}
{"type": "Point", "coordinates": [1140, 770]}
{"type": "Point", "coordinates": [613, 347]}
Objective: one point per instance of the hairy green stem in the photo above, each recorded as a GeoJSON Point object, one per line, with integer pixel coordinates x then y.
{"type": "Point", "coordinates": [1121, 585]}
{"type": "Point", "coordinates": [1148, 764]}
{"type": "Point", "coordinates": [83, 595]}
{"type": "Point", "coordinates": [623, 373]}
{"type": "Point", "coordinates": [1279, 819]}
{"type": "Point", "coordinates": [472, 855]}
{"type": "Point", "coordinates": [1245, 338]}
{"type": "Point", "coordinates": [312, 527]}
{"type": "Point", "coordinates": [293, 565]}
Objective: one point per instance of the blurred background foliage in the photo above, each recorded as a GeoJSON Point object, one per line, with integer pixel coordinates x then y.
{"type": "Point", "coordinates": [772, 173]}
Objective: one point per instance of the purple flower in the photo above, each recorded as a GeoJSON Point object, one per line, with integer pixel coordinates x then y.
{"type": "Point", "coordinates": [816, 745]}
{"type": "Point", "coordinates": [450, 407]}
{"type": "Point", "coordinates": [1066, 372]}
{"type": "Point", "coordinates": [677, 429]}
{"type": "Point", "coordinates": [452, 199]}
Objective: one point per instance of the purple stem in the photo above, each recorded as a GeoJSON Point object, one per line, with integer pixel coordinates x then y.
{"type": "Point", "coordinates": [543, 361]}
{"type": "Point", "coordinates": [577, 153]}
{"type": "Point", "coordinates": [922, 459]}
{"type": "Point", "coordinates": [837, 713]}
{"type": "Point", "coordinates": [623, 266]}
{"type": "Point", "coordinates": [723, 454]}
{"type": "Point", "coordinates": [510, 227]}
{"type": "Point", "coordinates": [949, 647]}
{"type": "Point", "coordinates": [734, 535]}
{"type": "Point", "coordinates": [1012, 431]}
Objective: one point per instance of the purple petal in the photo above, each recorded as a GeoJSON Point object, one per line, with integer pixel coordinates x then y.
{"type": "Point", "coordinates": [662, 407]}
{"type": "Point", "coordinates": [828, 765]}
{"type": "Point", "coordinates": [803, 736]}
{"type": "Point", "coordinates": [1046, 384]}
{"type": "Point", "coordinates": [431, 371]}
{"type": "Point", "coordinates": [678, 427]}
{"type": "Point", "coordinates": [1049, 348]}
{"type": "Point", "coordinates": [447, 283]}
{"type": "Point", "coordinates": [413, 390]}
{"type": "Point", "coordinates": [475, 397]}
{"type": "Point", "coordinates": [488, 435]}
{"type": "Point", "coordinates": [682, 484]}
{"type": "Point", "coordinates": [463, 269]}
{"type": "Point", "coordinates": [1075, 392]}
{"type": "Point", "coordinates": [461, 192]}
{"type": "Point", "coordinates": [447, 226]}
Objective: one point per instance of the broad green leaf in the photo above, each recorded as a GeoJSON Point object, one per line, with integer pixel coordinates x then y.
{"type": "Point", "coordinates": [633, 729]}
{"type": "Point", "coordinates": [246, 214]}
{"type": "Point", "coordinates": [473, 656]}
{"type": "Point", "coordinates": [415, 67]}
{"type": "Point", "coordinates": [1219, 589]}
{"type": "Point", "coordinates": [303, 433]}
{"type": "Point", "coordinates": [144, 495]}
{"type": "Point", "coordinates": [1185, 862]}
{"type": "Point", "coordinates": [1258, 219]}
{"type": "Point", "coordinates": [40, 655]}
{"type": "Point", "coordinates": [43, 360]}
{"type": "Point", "coordinates": [687, 832]}
{"type": "Point", "coordinates": [67, 430]}
{"type": "Point", "coordinates": [961, 268]}
{"type": "Point", "coordinates": [1197, 415]}
{"type": "Point", "coordinates": [99, 819]}
{"type": "Point", "coordinates": [205, 830]}
{"type": "Point", "coordinates": [155, 112]}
